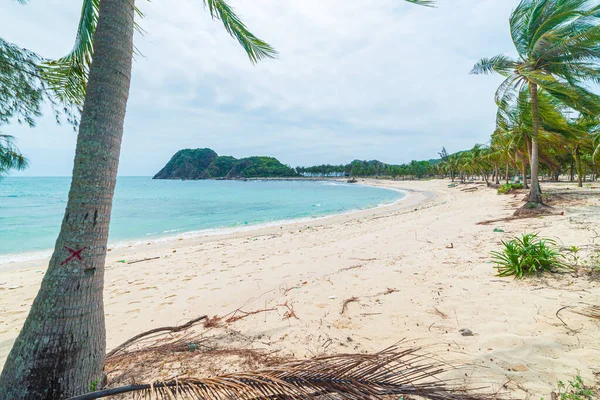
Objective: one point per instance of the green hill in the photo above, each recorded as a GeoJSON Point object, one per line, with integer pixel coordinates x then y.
{"type": "Point", "coordinates": [207, 164]}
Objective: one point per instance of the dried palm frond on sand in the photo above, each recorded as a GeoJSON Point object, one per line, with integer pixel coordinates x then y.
{"type": "Point", "coordinates": [391, 372]}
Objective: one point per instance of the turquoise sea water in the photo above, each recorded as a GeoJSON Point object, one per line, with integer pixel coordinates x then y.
{"type": "Point", "coordinates": [31, 209]}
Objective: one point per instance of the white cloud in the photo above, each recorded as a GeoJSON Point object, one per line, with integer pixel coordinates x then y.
{"type": "Point", "coordinates": [353, 80]}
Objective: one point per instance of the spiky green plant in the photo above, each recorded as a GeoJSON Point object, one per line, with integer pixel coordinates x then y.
{"type": "Point", "coordinates": [528, 255]}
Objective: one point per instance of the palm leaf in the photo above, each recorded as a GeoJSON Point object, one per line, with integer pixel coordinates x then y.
{"type": "Point", "coordinates": [501, 64]}
{"type": "Point", "coordinates": [426, 3]}
{"type": "Point", "coordinates": [254, 47]}
{"type": "Point", "coordinates": [68, 75]}
{"type": "Point", "coordinates": [348, 376]}
{"type": "Point", "coordinates": [574, 96]}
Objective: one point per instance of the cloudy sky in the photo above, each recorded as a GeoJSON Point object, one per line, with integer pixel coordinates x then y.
{"type": "Point", "coordinates": [368, 79]}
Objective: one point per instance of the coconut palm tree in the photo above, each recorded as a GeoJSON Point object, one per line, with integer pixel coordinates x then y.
{"type": "Point", "coordinates": [514, 121]}
{"type": "Point", "coordinates": [507, 142]}
{"type": "Point", "coordinates": [61, 349]}
{"type": "Point", "coordinates": [62, 345]}
{"type": "Point", "coordinates": [558, 44]}
{"type": "Point", "coordinates": [584, 129]}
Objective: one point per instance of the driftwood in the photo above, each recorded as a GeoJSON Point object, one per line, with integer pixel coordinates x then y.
{"type": "Point", "coordinates": [346, 302]}
{"type": "Point", "coordinates": [564, 323]}
{"type": "Point", "coordinates": [234, 317]}
{"type": "Point", "coordinates": [170, 329]}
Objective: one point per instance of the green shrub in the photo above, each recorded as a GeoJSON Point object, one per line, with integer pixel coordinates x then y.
{"type": "Point", "coordinates": [509, 187]}
{"type": "Point", "coordinates": [575, 390]}
{"type": "Point", "coordinates": [528, 255]}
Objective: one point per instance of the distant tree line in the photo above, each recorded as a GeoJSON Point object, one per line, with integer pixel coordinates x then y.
{"type": "Point", "coordinates": [413, 170]}
{"type": "Point", "coordinates": [507, 160]}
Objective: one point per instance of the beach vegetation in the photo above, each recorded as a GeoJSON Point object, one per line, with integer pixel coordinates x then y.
{"type": "Point", "coordinates": [509, 187]}
{"type": "Point", "coordinates": [557, 46]}
{"type": "Point", "coordinates": [574, 253]}
{"type": "Point", "coordinates": [23, 91]}
{"type": "Point", "coordinates": [574, 389]}
{"type": "Point", "coordinates": [10, 156]}
{"type": "Point", "coordinates": [375, 169]}
{"type": "Point", "coordinates": [528, 255]}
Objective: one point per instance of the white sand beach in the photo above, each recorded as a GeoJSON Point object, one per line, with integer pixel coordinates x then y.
{"type": "Point", "coordinates": [419, 270]}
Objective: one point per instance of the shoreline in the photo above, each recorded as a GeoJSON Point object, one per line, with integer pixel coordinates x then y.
{"type": "Point", "coordinates": [12, 262]}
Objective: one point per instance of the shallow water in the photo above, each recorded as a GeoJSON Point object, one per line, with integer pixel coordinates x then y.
{"type": "Point", "coordinates": [31, 209]}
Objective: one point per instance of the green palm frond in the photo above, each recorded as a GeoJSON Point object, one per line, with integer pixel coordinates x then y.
{"type": "Point", "coordinates": [426, 3]}
{"type": "Point", "coordinates": [256, 48]}
{"type": "Point", "coordinates": [558, 42]}
{"type": "Point", "coordinates": [514, 123]}
{"type": "Point", "coordinates": [501, 64]}
{"type": "Point", "coordinates": [508, 91]}
{"type": "Point", "coordinates": [67, 76]}
{"type": "Point", "coordinates": [347, 376]}
{"type": "Point", "coordinates": [573, 96]}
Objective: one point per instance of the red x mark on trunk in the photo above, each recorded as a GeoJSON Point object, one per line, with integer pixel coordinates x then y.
{"type": "Point", "coordinates": [74, 254]}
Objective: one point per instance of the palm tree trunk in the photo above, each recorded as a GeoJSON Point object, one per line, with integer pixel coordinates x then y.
{"type": "Point", "coordinates": [580, 173]}
{"type": "Point", "coordinates": [507, 174]}
{"type": "Point", "coordinates": [535, 194]}
{"type": "Point", "coordinates": [61, 349]}
{"type": "Point", "coordinates": [524, 172]}
{"type": "Point", "coordinates": [497, 172]}
{"type": "Point", "coordinates": [484, 176]}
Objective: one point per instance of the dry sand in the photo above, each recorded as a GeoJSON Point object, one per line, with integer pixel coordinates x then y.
{"type": "Point", "coordinates": [419, 269]}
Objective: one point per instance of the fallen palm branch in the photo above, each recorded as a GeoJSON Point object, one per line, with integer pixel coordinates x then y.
{"type": "Point", "coordinates": [169, 329]}
{"type": "Point", "coordinates": [392, 372]}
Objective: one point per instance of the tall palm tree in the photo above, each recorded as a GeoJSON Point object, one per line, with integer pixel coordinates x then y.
{"type": "Point", "coordinates": [558, 43]}
{"type": "Point", "coordinates": [514, 121]}
{"type": "Point", "coordinates": [61, 348]}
